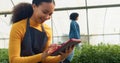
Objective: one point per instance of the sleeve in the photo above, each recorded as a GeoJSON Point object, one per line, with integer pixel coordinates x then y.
{"type": "Point", "coordinates": [15, 47]}
{"type": "Point", "coordinates": [52, 59]}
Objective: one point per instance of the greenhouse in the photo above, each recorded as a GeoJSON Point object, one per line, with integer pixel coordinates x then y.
{"type": "Point", "coordinates": [99, 28]}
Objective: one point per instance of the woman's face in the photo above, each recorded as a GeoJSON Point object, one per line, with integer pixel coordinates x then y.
{"type": "Point", "coordinates": [77, 18]}
{"type": "Point", "coordinates": [43, 12]}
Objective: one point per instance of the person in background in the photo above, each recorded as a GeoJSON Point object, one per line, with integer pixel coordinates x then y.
{"type": "Point", "coordinates": [30, 38]}
{"type": "Point", "coordinates": [74, 26]}
{"type": "Point", "coordinates": [74, 31]}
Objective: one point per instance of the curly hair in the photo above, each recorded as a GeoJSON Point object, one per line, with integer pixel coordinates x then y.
{"type": "Point", "coordinates": [25, 10]}
{"type": "Point", "coordinates": [21, 11]}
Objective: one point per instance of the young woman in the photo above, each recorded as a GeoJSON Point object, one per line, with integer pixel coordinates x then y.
{"type": "Point", "coordinates": [30, 38]}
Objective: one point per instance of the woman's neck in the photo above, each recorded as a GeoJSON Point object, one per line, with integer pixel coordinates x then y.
{"type": "Point", "coordinates": [34, 21]}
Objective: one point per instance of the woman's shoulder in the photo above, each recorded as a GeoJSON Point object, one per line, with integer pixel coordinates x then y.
{"type": "Point", "coordinates": [46, 26]}
{"type": "Point", "coordinates": [20, 25]}
{"type": "Point", "coordinates": [19, 28]}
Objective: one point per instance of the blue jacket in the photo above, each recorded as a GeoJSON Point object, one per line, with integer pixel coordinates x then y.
{"type": "Point", "coordinates": [74, 30]}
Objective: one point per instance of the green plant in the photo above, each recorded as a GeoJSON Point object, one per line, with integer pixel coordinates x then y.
{"type": "Point", "coordinates": [97, 54]}
{"type": "Point", "coordinates": [4, 56]}
{"type": "Point", "coordinates": [85, 54]}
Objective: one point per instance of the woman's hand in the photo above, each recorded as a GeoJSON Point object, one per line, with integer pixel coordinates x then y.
{"type": "Point", "coordinates": [49, 51]}
{"type": "Point", "coordinates": [65, 54]}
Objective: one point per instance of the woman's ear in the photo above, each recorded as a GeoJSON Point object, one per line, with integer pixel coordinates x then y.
{"type": "Point", "coordinates": [33, 6]}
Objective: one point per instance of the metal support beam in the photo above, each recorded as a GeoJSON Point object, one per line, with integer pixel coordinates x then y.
{"type": "Point", "coordinates": [88, 7]}
{"type": "Point", "coordinates": [74, 8]}
{"type": "Point", "coordinates": [5, 12]}
{"type": "Point", "coordinates": [87, 20]}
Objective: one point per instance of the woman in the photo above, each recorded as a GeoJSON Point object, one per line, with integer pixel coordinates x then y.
{"type": "Point", "coordinates": [74, 31]}
{"type": "Point", "coordinates": [74, 26]}
{"type": "Point", "coordinates": [30, 38]}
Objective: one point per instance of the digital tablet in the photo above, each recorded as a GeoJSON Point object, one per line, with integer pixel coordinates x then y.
{"type": "Point", "coordinates": [62, 48]}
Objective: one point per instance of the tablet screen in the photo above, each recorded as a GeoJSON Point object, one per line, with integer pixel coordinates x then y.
{"type": "Point", "coordinates": [62, 48]}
